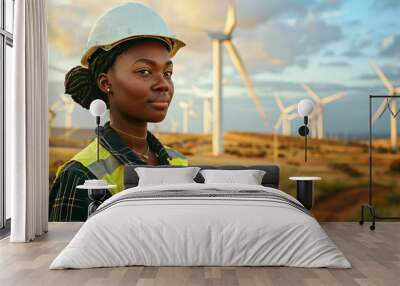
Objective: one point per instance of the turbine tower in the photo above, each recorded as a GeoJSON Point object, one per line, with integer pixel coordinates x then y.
{"type": "Point", "coordinates": [187, 108]}
{"type": "Point", "coordinates": [313, 124]}
{"type": "Point", "coordinates": [68, 108]}
{"type": "Point", "coordinates": [285, 117]}
{"type": "Point", "coordinates": [207, 114]}
{"type": "Point", "coordinates": [225, 38]}
{"type": "Point", "coordinates": [392, 91]}
{"type": "Point", "coordinates": [156, 128]}
{"type": "Point", "coordinates": [174, 125]}
{"type": "Point", "coordinates": [319, 106]}
{"type": "Point", "coordinates": [53, 109]}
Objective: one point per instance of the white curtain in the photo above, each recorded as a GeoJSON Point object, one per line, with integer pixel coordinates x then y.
{"type": "Point", "coordinates": [26, 123]}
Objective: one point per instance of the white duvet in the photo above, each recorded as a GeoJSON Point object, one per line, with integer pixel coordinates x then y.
{"type": "Point", "coordinates": [200, 231]}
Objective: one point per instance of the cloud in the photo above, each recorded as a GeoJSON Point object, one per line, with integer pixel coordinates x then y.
{"type": "Point", "coordinates": [186, 18]}
{"type": "Point", "coordinates": [357, 46]}
{"type": "Point", "coordinates": [62, 22]}
{"type": "Point", "coordinates": [391, 71]}
{"type": "Point", "coordinates": [329, 53]}
{"type": "Point", "coordinates": [290, 45]}
{"type": "Point", "coordinates": [352, 53]}
{"type": "Point", "coordinates": [328, 5]}
{"type": "Point", "coordinates": [319, 33]}
{"type": "Point", "coordinates": [387, 4]}
{"type": "Point", "coordinates": [390, 46]}
{"type": "Point", "coordinates": [335, 64]}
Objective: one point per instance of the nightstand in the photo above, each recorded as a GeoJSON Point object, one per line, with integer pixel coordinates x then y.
{"type": "Point", "coordinates": [96, 191]}
{"type": "Point", "coordinates": [305, 190]}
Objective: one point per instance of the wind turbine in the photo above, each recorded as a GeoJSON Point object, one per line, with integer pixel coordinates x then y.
{"type": "Point", "coordinates": [392, 91]}
{"type": "Point", "coordinates": [207, 115]}
{"type": "Point", "coordinates": [225, 38]}
{"type": "Point", "coordinates": [285, 117]}
{"type": "Point", "coordinates": [68, 108]}
{"type": "Point", "coordinates": [174, 125]}
{"type": "Point", "coordinates": [187, 111]}
{"type": "Point", "coordinates": [313, 124]}
{"type": "Point", "coordinates": [156, 128]}
{"type": "Point", "coordinates": [53, 109]}
{"type": "Point", "coordinates": [319, 106]}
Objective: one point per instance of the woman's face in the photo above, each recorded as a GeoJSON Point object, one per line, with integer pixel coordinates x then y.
{"type": "Point", "coordinates": [141, 83]}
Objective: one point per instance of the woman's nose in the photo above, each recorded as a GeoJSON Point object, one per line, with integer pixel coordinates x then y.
{"type": "Point", "coordinates": [162, 84]}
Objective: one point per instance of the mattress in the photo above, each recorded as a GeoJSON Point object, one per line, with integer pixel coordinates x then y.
{"type": "Point", "coordinates": [201, 225]}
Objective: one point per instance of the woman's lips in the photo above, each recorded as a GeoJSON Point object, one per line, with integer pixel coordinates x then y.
{"type": "Point", "coordinates": [160, 105]}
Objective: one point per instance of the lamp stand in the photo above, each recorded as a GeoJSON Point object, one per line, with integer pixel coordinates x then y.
{"type": "Point", "coordinates": [99, 132]}
{"type": "Point", "coordinates": [303, 131]}
{"type": "Point", "coordinates": [370, 205]}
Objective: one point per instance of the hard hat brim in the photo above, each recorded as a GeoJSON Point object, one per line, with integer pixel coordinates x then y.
{"type": "Point", "coordinates": [173, 43]}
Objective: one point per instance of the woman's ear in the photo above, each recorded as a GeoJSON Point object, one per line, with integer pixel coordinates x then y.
{"type": "Point", "coordinates": [104, 83]}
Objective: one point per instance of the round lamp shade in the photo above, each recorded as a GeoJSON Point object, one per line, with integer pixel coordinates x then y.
{"type": "Point", "coordinates": [305, 107]}
{"type": "Point", "coordinates": [98, 107]}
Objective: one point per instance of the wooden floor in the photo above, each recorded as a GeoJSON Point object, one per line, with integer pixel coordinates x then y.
{"type": "Point", "coordinates": [374, 255]}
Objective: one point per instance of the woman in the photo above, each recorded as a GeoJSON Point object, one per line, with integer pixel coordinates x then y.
{"type": "Point", "coordinates": [128, 66]}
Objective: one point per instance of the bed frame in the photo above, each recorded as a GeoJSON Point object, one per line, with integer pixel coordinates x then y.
{"type": "Point", "coordinates": [270, 179]}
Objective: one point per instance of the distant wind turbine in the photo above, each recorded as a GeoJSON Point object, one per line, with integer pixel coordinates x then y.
{"type": "Point", "coordinates": [207, 114]}
{"type": "Point", "coordinates": [58, 69]}
{"type": "Point", "coordinates": [187, 111]}
{"type": "Point", "coordinates": [285, 117]}
{"type": "Point", "coordinates": [225, 37]}
{"type": "Point", "coordinates": [156, 128]}
{"type": "Point", "coordinates": [319, 106]}
{"type": "Point", "coordinates": [68, 108]}
{"type": "Point", "coordinates": [174, 125]}
{"type": "Point", "coordinates": [392, 91]}
{"type": "Point", "coordinates": [313, 124]}
{"type": "Point", "coordinates": [53, 109]}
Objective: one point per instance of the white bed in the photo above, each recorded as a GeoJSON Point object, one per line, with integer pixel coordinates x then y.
{"type": "Point", "coordinates": [185, 230]}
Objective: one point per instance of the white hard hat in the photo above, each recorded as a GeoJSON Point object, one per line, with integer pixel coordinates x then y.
{"type": "Point", "coordinates": [125, 22]}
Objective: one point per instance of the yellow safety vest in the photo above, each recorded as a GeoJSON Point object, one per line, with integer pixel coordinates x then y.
{"type": "Point", "coordinates": [108, 168]}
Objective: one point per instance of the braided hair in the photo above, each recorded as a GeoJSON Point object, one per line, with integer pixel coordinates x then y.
{"type": "Point", "coordinates": [81, 82]}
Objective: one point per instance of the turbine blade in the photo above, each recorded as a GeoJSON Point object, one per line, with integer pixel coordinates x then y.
{"type": "Point", "coordinates": [58, 69]}
{"type": "Point", "coordinates": [379, 112]}
{"type": "Point", "coordinates": [63, 98]}
{"type": "Point", "coordinates": [240, 67]}
{"type": "Point", "coordinates": [293, 116]}
{"type": "Point", "coordinates": [383, 77]}
{"type": "Point", "coordinates": [197, 91]}
{"type": "Point", "coordinates": [311, 93]}
{"type": "Point", "coordinates": [183, 104]}
{"type": "Point", "coordinates": [279, 102]}
{"type": "Point", "coordinates": [334, 97]}
{"type": "Point", "coordinates": [278, 123]}
{"type": "Point", "coordinates": [55, 105]}
{"type": "Point", "coordinates": [192, 113]}
{"type": "Point", "coordinates": [291, 108]}
{"type": "Point", "coordinates": [230, 21]}
{"type": "Point", "coordinates": [200, 92]}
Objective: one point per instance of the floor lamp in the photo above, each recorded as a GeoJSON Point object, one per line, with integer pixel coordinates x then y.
{"type": "Point", "coordinates": [96, 188]}
{"type": "Point", "coordinates": [305, 107]}
{"type": "Point", "coordinates": [370, 205]}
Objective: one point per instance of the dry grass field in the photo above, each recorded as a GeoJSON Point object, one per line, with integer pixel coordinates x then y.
{"type": "Point", "coordinates": [343, 165]}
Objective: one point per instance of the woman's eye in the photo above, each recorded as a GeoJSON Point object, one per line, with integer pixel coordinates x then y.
{"type": "Point", "coordinates": [168, 74]}
{"type": "Point", "coordinates": [144, 72]}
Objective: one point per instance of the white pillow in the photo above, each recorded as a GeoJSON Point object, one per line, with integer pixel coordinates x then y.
{"type": "Point", "coordinates": [162, 176]}
{"type": "Point", "coordinates": [249, 177]}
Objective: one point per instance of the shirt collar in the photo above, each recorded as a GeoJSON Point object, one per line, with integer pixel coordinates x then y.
{"type": "Point", "coordinates": [117, 147]}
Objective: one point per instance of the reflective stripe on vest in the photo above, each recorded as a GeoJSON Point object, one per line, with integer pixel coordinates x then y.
{"type": "Point", "coordinates": [108, 168]}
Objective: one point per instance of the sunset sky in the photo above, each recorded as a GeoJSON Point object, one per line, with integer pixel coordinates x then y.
{"type": "Point", "coordinates": [283, 43]}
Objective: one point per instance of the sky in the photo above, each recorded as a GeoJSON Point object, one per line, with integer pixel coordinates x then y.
{"type": "Point", "coordinates": [328, 45]}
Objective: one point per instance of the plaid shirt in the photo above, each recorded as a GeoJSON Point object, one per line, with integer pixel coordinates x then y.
{"type": "Point", "coordinates": [66, 203]}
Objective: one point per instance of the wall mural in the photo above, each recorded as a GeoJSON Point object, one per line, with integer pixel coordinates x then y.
{"type": "Point", "coordinates": [276, 53]}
